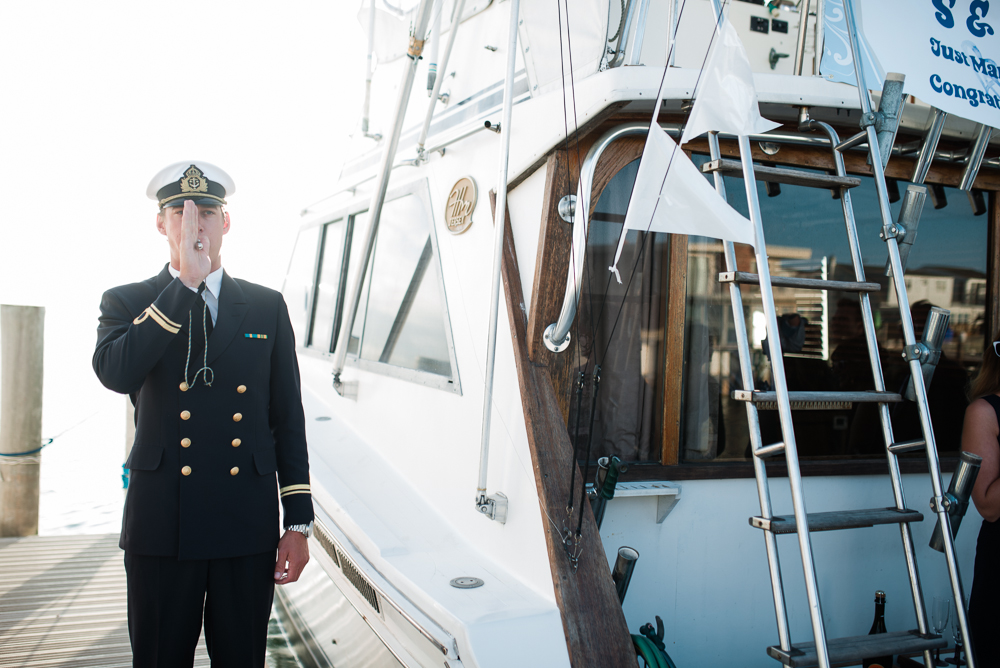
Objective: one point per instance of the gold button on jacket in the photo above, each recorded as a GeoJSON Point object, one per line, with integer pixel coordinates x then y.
{"type": "Point", "coordinates": [186, 470]}
{"type": "Point", "coordinates": [185, 415]}
{"type": "Point", "coordinates": [237, 417]}
{"type": "Point", "coordinates": [241, 389]}
{"type": "Point", "coordinates": [185, 442]}
{"type": "Point", "coordinates": [234, 470]}
{"type": "Point", "coordinates": [236, 442]}
{"type": "Point", "coordinates": [184, 387]}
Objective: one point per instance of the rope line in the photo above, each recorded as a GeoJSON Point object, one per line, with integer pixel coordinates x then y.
{"type": "Point", "coordinates": [621, 22]}
{"type": "Point", "coordinates": [578, 347]}
{"type": "Point", "coordinates": [580, 379]}
{"type": "Point", "coordinates": [45, 442]}
{"type": "Point", "coordinates": [590, 440]}
{"type": "Point", "coordinates": [48, 441]}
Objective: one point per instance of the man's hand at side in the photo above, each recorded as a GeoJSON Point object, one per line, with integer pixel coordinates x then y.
{"type": "Point", "coordinates": [293, 555]}
{"type": "Point", "coordinates": [196, 265]}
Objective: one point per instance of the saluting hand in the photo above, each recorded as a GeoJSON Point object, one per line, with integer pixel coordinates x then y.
{"type": "Point", "coordinates": [196, 264]}
{"type": "Point", "coordinates": [293, 555]}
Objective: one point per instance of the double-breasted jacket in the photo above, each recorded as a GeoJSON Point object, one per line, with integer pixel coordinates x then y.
{"type": "Point", "coordinates": [202, 467]}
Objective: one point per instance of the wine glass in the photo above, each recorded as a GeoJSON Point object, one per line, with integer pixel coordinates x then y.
{"type": "Point", "coordinates": [960, 648]}
{"type": "Point", "coordinates": [940, 614]}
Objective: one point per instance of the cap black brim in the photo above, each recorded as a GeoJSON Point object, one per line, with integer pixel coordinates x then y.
{"type": "Point", "coordinates": [205, 201]}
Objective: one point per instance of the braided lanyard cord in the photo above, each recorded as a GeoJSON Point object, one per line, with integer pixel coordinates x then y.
{"type": "Point", "coordinates": [207, 375]}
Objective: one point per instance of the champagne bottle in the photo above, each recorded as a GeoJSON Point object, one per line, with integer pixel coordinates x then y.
{"type": "Point", "coordinates": [878, 626]}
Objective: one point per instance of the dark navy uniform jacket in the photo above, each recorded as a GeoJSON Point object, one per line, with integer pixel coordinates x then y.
{"type": "Point", "coordinates": [202, 468]}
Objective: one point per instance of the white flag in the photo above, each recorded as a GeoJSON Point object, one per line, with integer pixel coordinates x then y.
{"type": "Point", "coordinates": [726, 100]}
{"type": "Point", "coordinates": [678, 199]}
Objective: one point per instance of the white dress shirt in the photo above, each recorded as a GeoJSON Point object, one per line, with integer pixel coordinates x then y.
{"type": "Point", "coordinates": [213, 285]}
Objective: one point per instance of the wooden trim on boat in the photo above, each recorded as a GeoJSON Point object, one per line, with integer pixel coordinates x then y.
{"type": "Point", "coordinates": [554, 240]}
{"type": "Point", "coordinates": [673, 345]}
{"type": "Point", "coordinates": [595, 627]}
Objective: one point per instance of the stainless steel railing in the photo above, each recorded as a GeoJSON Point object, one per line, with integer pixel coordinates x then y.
{"type": "Point", "coordinates": [556, 336]}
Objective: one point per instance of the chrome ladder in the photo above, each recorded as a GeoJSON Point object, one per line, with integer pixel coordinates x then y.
{"type": "Point", "coordinates": [822, 651]}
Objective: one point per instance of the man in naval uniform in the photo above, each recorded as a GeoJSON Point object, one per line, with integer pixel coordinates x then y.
{"type": "Point", "coordinates": [209, 362]}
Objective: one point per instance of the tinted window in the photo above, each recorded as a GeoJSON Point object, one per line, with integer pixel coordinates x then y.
{"type": "Point", "coordinates": [401, 314]}
{"type": "Point", "coordinates": [299, 281]}
{"type": "Point", "coordinates": [825, 347]}
{"type": "Point", "coordinates": [328, 285]}
{"type": "Point", "coordinates": [620, 328]}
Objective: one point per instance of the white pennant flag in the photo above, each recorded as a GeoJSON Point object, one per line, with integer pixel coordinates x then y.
{"type": "Point", "coordinates": [726, 98]}
{"type": "Point", "coordinates": [685, 202]}
{"type": "Point", "coordinates": [671, 195]}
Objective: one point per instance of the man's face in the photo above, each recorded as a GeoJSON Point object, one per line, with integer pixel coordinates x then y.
{"type": "Point", "coordinates": [213, 223]}
{"type": "Point", "coordinates": [846, 324]}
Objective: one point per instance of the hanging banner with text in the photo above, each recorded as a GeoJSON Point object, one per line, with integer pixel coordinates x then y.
{"type": "Point", "coordinates": [946, 48]}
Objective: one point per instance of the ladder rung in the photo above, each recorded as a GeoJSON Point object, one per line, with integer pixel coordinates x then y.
{"type": "Point", "coordinates": [807, 283]}
{"type": "Point", "coordinates": [850, 651]}
{"type": "Point", "coordinates": [793, 177]}
{"type": "Point", "coordinates": [772, 450]}
{"type": "Point", "coordinates": [806, 405]}
{"type": "Point", "coordinates": [907, 446]}
{"type": "Point", "coordinates": [807, 400]}
{"type": "Point", "coordinates": [839, 519]}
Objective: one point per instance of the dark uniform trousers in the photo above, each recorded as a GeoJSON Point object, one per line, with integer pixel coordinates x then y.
{"type": "Point", "coordinates": [166, 598]}
{"type": "Point", "coordinates": [201, 524]}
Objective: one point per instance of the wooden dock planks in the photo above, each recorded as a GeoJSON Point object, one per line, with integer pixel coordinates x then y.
{"type": "Point", "coordinates": [62, 603]}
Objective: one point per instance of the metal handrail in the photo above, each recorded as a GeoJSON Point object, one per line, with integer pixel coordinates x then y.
{"type": "Point", "coordinates": [556, 336]}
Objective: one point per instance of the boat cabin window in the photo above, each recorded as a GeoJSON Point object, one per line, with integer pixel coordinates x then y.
{"type": "Point", "coordinates": [402, 320]}
{"type": "Point", "coordinates": [298, 286]}
{"type": "Point", "coordinates": [823, 340]}
{"type": "Point", "coordinates": [620, 328]}
{"type": "Point", "coordinates": [665, 340]}
{"type": "Point", "coordinates": [401, 327]}
{"type": "Point", "coordinates": [330, 280]}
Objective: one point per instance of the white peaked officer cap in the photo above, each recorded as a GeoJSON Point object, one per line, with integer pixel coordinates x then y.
{"type": "Point", "coordinates": [195, 180]}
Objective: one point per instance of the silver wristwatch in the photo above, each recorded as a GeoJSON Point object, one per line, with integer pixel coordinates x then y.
{"type": "Point", "coordinates": [304, 529]}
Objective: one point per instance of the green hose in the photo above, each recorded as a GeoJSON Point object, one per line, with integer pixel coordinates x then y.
{"type": "Point", "coordinates": [650, 653]}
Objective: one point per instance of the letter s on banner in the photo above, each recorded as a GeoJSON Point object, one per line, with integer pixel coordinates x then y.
{"type": "Point", "coordinates": [943, 15]}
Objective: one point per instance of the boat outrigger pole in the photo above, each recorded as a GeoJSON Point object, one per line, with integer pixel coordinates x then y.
{"type": "Point", "coordinates": [456, 18]}
{"type": "Point", "coordinates": [368, 75]}
{"type": "Point", "coordinates": [494, 506]}
{"type": "Point", "coordinates": [378, 196]}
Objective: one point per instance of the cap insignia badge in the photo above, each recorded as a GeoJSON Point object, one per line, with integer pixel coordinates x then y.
{"type": "Point", "coordinates": [194, 181]}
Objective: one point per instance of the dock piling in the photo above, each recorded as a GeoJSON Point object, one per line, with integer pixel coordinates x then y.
{"type": "Point", "coordinates": [22, 331]}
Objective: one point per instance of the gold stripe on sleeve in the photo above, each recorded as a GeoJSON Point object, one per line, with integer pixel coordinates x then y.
{"type": "Point", "coordinates": [160, 321]}
{"type": "Point", "coordinates": [295, 491]}
{"type": "Point", "coordinates": [289, 488]}
{"type": "Point", "coordinates": [165, 318]}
